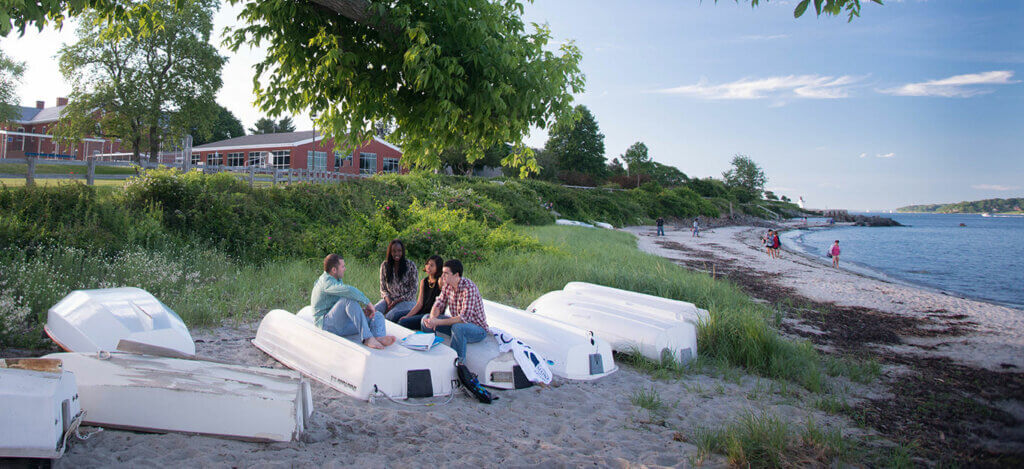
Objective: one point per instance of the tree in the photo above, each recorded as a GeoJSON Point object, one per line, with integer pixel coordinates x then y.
{"type": "Point", "coordinates": [264, 125]}
{"type": "Point", "coordinates": [224, 127]}
{"type": "Point", "coordinates": [451, 74]}
{"type": "Point", "coordinates": [746, 175]}
{"type": "Point", "coordinates": [637, 158]}
{"type": "Point", "coordinates": [456, 159]}
{"type": "Point", "coordinates": [615, 168]}
{"type": "Point", "coordinates": [10, 76]}
{"type": "Point", "coordinates": [577, 144]}
{"type": "Point", "coordinates": [285, 125]}
{"type": "Point", "coordinates": [666, 175]}
{"type": "Point", "coordinates": [151, 86]}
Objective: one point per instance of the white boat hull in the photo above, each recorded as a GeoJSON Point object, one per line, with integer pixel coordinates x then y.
{"type": "Point", "coordinates": [156, 394]}
{"type": "Point", "coordinates": [572, 352]}
{"type": "Point", "coordinates": [351, 367]}
{"type": "Point", "coordinates": [640, 303]}
{"type": "Point", "coordinates": [40, 408]}
{"type": "Point", "coordinates": [562, 221]}
{"type": "Point", "coordinates": [90, 321]}
{"type": "Point", "coordinates": [493, 368]}
{"type": "Point", "coordinates": [626, 330]}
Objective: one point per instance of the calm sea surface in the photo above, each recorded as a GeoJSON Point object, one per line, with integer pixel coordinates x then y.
{"type": "Point", "coordinates": [984, 259]}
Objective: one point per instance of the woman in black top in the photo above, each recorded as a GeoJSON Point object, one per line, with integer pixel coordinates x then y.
{"type": "Point", "coordinates": [430, 288]}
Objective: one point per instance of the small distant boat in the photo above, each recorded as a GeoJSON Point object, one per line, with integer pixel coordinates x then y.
{"type": "Point", "coordinates": [97, 320]}
{"type": "Point", "coordinates": [158, 394]}
{"type": "Point", "coordinates": [40, 408]}
{"type": "Point", "coordinates": [986, 214]}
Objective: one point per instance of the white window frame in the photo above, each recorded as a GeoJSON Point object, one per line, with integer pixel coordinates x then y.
{"type": "Point", "coordinates": [391, 165]}
{"type": "Point", "coordinates": [276, 157]}
{"type": "Point", "coordinates": [367, 157]}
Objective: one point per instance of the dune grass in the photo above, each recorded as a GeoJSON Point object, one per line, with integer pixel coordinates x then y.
{"type": "Point", "coordinates": [764, 440]}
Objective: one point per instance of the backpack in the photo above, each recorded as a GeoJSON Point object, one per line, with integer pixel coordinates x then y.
{"type": "Point", "coordinates": [472, 386]}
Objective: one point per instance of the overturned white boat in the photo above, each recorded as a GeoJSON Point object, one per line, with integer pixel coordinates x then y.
{"type": "Point", "coordinates": [158, 394]}
{"type": "Point", "coordinates": [96, 320]}
{"type": "Point", "coordinates": [627, 329]}
{"type": "Point", "coordinates": [601, 224]}
{"type": "Point", "coordinates": [347, 365]}
{"type": "Point", "coordinates": [571, 351]}
{"type": "Point", "coordinates": [494, 368]}
{"type": "Point", "coordinates": [641, 303]}
{"type": "Point", "coordinates": [562, 221]}
{"type": "Point", "coordinates": [40, 408]}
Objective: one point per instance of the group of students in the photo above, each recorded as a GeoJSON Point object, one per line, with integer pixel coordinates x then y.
{"type": "Point", "coordinates": [419, 305]}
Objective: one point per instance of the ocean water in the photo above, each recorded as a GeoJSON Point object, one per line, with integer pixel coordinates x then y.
{"type": "Point", "coordinates": [983, 259]}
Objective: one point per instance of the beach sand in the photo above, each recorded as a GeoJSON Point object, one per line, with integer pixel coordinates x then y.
{"type": "Point", "coordinates": [983, 334]}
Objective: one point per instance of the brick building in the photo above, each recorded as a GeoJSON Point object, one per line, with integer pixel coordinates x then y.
{"type": "Point", "coordinates": [299, 150]}
{"type": "Point", "coordinates": [31, 135]}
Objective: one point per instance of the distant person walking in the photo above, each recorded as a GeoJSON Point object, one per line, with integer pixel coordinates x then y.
{"type": "Point", "coordinates": [661, 226]}
{"type": "Point", "coordinates": [766, 242]}
{"type": "Point", "coordinates": [696, 228]}
{"type": "Point", "coordinates": [834, 252]}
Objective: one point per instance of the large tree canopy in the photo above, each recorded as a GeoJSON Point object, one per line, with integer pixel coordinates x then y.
{"type": "Point", "coordinates": [225, 126]}
{"type": "Point", "coordinates": [451, 73]}
{"type": "Point", "coordinates": [745, 175]}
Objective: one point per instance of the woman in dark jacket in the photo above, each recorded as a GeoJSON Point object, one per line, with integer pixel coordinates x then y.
{"type": "Point", "coordinates": [397, 283]}
{"type": "Point", "coordinates": [430, 288]}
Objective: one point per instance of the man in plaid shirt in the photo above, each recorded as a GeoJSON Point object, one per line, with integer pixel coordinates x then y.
{"type": "Point", "coordinates": [467, 322]}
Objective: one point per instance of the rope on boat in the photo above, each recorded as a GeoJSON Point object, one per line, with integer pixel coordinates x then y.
{"type": "Point", "coordinates": [377, 391]}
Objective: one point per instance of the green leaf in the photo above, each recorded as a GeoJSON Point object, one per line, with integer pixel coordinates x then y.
{"type": "Point", "coordinates": [800, 8]}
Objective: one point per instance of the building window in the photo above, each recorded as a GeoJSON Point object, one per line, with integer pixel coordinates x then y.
{"type": "Point", "coordinates": [236, 159]}
{"type": "Point", "coordinates": [255, 158]}
{"type": "Point", "coordinates": [390, 165]}
{"type": "Point", "coordinates": [196, 159]}
{"type": "Point", "coordinates": [341, 159]}
{"type": "Point", "coordinates": [367, 163]}
{"type": "Point", "coordinates": [214, 159]}
{"type": "Point", "coordinates": [318, 160]}
{"type": "Point", "coordinates": [282, 158]}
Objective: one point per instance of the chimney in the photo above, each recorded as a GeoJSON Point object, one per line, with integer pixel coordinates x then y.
{"type": "Point", "coordinates": [62, 101]}
{"type": "Point", "coordinates": [40, 104]}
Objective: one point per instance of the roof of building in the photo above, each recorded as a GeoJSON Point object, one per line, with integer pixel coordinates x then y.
{"type": "Point", "coordinates": [283, 139]}
{"type": "Point", "coordinates": [33, 115]}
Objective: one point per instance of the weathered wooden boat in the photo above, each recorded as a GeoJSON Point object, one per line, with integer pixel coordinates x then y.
{"type": "Point", "coordinates": [160, 394]}
{"type": "Point", "coordinates": [571, 351]}
{"type": "Point", "coordinates": [39, 407]}
{"type": "Point", "coordinates": [96, 320]}
{"type": "Point", "coordinates": [347, 365]}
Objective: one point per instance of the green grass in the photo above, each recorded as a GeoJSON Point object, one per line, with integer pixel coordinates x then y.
{"type": "Point", "coordinates": [647, 399]}
{"type": "Point", "coordinates": [763, 440]}
{"type": "Point", "coordinates": [860, 371]}
{"type": "Point", "coordinates": [15, 168]}
{"type": "Point", "coordinates": [20, 182]}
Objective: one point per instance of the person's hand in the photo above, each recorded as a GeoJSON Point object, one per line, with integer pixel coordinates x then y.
{"type": "Point", "coordinates": [390, 304]}
{"type": "Point", "coordinates": [429, 322]}
{"type": "Point", "coordinates": [368, 310]}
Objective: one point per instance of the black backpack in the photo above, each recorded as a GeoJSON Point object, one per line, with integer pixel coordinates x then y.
{"type": "Point", "coordinates": [472, 386]}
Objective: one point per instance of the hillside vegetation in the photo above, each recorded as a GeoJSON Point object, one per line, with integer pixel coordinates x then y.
{"type": "Point", "coordinates": [1014, 205]}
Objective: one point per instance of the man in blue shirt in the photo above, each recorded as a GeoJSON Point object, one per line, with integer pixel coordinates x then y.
{"type": "Point", "coordinates": [343, 309]}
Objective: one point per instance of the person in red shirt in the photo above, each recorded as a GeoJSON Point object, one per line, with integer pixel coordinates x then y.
{"type": "Point", "coordinates": [466, 322]}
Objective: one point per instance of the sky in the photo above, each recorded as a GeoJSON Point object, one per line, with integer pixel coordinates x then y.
{"type": "Point", "coordinates": [915, 102]}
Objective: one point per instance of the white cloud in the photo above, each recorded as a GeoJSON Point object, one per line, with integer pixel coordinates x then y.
{"type": "Point", "coordinates": [958, 86]}
{"type": "Point", "coordinates": [759, 37]}
{"type": "Point", "coordinates": [798, 86]}
{"type": "Point", "coordinates": [994, 187]}
{"type": "Point", "coordinates": [886, 155]}
{"type": "Point", "coordinates": [863, 155]}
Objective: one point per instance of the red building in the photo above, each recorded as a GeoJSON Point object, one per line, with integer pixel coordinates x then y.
{"type": "Point", "coordinates": [299, 150]}
{"type": "Point", "coordinates": [31, 135]}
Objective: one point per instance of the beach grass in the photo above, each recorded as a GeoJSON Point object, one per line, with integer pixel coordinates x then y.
{"type": "Point", "coordinates": [647, 398]}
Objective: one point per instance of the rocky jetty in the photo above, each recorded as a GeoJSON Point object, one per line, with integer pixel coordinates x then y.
{"type": "Point", "coordinates": [863, 220]}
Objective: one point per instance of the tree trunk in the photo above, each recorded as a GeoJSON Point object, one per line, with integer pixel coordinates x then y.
{"type": "Point", "coordinates": [154, 143]}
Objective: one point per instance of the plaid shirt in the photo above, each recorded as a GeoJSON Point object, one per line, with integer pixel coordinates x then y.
{"type": "Point", "coordinates": [465, 302]}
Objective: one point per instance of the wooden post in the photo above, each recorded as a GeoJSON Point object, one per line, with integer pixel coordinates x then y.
{"type": "Point", "coordinates": [30, 172]}
{"type": "Point", "coordinates": [291, 176]}
{"type": "Point", "coordinates": [252, 176]}
{"type": "Point", "coordinates": [274, 181]}
{"type": "Point", "coordinates": [90, 171]}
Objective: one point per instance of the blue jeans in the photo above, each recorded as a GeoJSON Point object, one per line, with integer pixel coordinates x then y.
{"type": "Point", "coordinates": [346, 317]}
{"type": "Point", "coordinates": [462, 334]}
{"type": "Point", "coordinates": [400, 309]}
{"type": "Point", "coordinates": [412, 322]}
{"type": "Point", "coordinates": [661, 230]}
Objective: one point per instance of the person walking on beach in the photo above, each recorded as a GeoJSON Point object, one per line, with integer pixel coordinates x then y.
{"type": "Point", "coordinates": [430, 289]}
{"type": "Point", "coordinates": [661, 226]}
{"type": "Point", "coordinates": [467, 322]}
{"type": "Point", "coordinates": [344, 310]}
{"type": "Point", "coordinates": [766, 242]}
{"type": "Point", "coordinates": [776, 244]}
{"type": "Point", "coordinates": [397, 283]}
{"type": "Point", "coordinates": [696, 228]}
{"type": "Point", "coordinates": [834, 252]}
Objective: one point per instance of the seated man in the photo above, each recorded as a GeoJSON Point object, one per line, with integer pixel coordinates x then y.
{"type": "Point", "coordinates": [467, 323]}
{"type": "Point", "coordinates": [344, 310]}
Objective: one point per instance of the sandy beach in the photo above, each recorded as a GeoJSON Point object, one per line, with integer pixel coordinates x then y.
{"type": "Point", "coordinates": [579, 423]}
